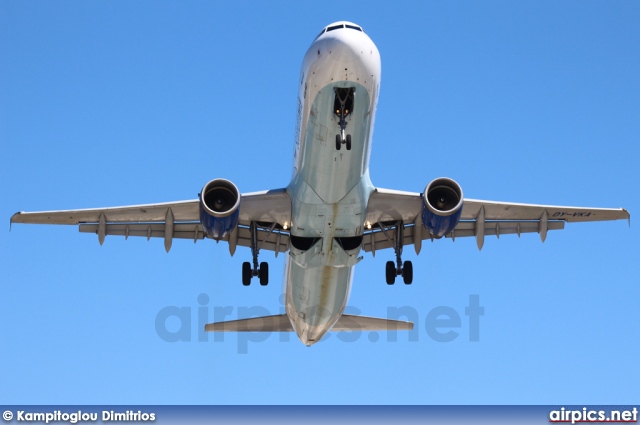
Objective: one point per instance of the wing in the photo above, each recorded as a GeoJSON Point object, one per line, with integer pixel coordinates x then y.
{"type": "Point", "coordinates": [268, 210]}
{"type": "Point", "coordinates": [479, 218]}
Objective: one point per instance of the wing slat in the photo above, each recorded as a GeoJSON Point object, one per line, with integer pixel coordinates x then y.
{"type": "Point", "coordinates": [516, 211]}
{"type": "Point", "coordinates": [273, 206]}
{"type": "Point", "coordinates": [182, 211]}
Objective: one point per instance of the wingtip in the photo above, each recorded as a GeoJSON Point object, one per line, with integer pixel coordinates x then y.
{"type": "Point", "coordinates": [628, 216]}
{"type": "Point", "coordinates": [629, 219]}
{"type": "Point", "coordinates": [11, 220]}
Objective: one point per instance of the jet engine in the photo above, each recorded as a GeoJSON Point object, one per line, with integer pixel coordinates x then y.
{"type": "Point", "coordinates": [441, 206]}
{"type": "Point", "coordinates": [219, 207]}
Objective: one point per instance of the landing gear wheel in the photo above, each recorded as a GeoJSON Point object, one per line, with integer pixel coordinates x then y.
{"type": "Point", "coordinates": [391, 273]}
{"type": "Point", "coordinates": [264, 273]}
{"type": "Point", "coordinates": [338, 142]}
{"type": "Point", "coordinates": [348, 142]}
{"type": "Point", "coordinates": [246, 273]}
{"type": "Point", "coordinates": [407, 272]}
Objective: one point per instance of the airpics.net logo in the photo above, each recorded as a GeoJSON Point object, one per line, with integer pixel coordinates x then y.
{"type": "Point", "coordinates": [440, 324]}
{"type": "Point", "coordinates": [587, 415]}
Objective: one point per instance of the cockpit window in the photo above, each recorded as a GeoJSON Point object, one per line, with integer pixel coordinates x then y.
{"type": "Point", "coordinates": [339, 26]}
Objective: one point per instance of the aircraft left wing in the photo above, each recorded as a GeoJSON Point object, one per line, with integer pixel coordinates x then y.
{"type": "Point", "coordinates": [269, 210]}
{"type": "Point", "coordinates": [387, 208]}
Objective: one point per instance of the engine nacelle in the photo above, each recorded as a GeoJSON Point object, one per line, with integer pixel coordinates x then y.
{"type": "Point", "coordinates": [219, 207]}
{"type": "Point", "coordinates": [441, 206]}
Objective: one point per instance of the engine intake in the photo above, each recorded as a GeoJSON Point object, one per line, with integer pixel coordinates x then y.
{"type": "Point", "coordinates": [219, 207]}
{"type": "Point", "coordinates": [441, 206]}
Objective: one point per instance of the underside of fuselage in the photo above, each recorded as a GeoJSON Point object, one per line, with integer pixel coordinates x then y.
{"type": "Point", "coordinates": [330, 186]}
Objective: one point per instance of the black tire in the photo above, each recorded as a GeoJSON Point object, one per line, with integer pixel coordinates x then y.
{"type": "Point", "coordinates": [264, 273]}
{"type": "Point", "coordinates": [391, 273]}
{"type": "Point", "coordinates": [407, 272]}
{"type": "Point", "coordinates": [338, 142]}
{"type": "Point", "coordinates": [246, 273]}
{"type": "Point", "coordinates": [348, 142]}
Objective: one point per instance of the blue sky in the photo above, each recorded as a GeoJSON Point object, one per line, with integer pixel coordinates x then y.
{"type": "Point", "coordinates": [116, 103]}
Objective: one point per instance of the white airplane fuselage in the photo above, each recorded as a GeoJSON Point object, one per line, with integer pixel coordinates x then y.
{"type": "Point", "coordinates": [330, 188]}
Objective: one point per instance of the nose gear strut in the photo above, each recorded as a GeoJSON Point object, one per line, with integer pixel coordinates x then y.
{"type": "Point", "coordinates": [342, 108]}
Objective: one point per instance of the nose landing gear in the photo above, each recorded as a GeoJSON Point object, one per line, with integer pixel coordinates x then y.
{"type": "Point", "coordinates": [342, 108]}
{"type": "Point", "coordinates": [340, 141]}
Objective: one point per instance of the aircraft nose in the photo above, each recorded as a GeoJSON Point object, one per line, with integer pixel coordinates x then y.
{"type": "Point", "coordinates": [341, 48]}
{"type": "Point", "coordinates": [342, 54]}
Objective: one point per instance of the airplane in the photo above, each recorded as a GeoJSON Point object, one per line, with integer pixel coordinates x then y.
{"type": "Point", "coordinates": [330, 211]}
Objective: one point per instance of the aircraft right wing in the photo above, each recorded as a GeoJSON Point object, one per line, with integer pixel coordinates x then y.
{"type": "Point", "coordinates": [478, 219]}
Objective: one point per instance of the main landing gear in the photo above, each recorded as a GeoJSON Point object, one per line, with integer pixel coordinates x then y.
{"type": "Point", "coordinates": [399, 268]}
{"type": "Point", "coordinates": [342, 108]}
{"type": "Point", "coordinates": [249, 272]}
